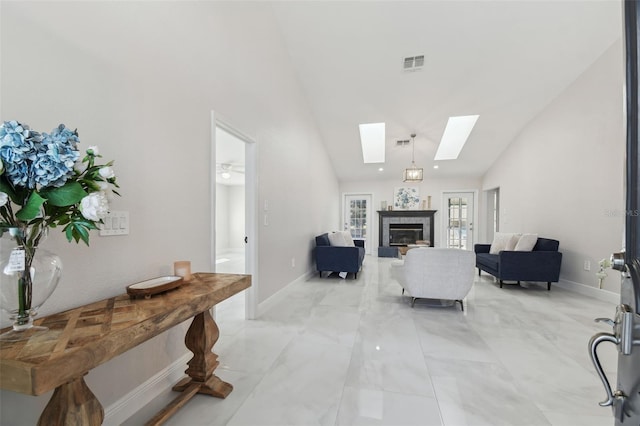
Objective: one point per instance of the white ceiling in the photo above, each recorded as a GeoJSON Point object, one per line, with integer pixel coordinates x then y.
{"type": "Point", "coordinates": [503, 60]}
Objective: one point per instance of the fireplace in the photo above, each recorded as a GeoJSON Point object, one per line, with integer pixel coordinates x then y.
{"type": "Point", "coordinates": [399, 228]}
{"type": "Point", "coordinates": [402, 234]}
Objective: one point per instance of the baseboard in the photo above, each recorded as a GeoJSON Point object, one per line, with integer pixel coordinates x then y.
{"type": "Point", "coordinates": [280, 295]}
{"type": "Point", "coordinates": [131, 403]}
{"type": "Point", "coordinates": [596, 293]}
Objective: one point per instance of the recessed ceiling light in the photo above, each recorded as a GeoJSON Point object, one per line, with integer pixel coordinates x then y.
{"type": "Point", "coordinates": [436, 167]}
{"type": "Point", "coordinates": [455, 136]}
{"type": "Point", "coordinates": [381, 169]}
{"type": "Point", "coordinates": [372, 141]}
{"type": "Point", "coordinates": [225, 175]}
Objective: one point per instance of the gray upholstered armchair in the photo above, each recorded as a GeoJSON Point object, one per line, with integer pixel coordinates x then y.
{"type": "Point", "coordinates": [436, 273]}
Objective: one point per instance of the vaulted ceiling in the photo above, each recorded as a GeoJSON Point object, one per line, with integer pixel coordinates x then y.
{"type": "Point", "coordinates": [503, 60]}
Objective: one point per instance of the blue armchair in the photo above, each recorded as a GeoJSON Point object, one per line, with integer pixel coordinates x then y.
{"type": "Point", "coordinates": [338, 259]}
{"type": "Point", "coordinates": [540, 264]}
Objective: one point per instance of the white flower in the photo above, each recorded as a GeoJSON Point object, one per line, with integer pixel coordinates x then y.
{"type": "Point", "coordinates": [93, 150]}
{"type": "Point", "coordinates": [4, 199]}
{"type": "Point", "coordinates": [107, 172]}
{"type": "Point", "coordinates": [95, 206]}
{"type": "Point", "coordinates": [106, 188]}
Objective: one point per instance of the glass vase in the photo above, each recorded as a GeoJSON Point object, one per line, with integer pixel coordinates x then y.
{"type": "Point", "coordinates": [28, 276]}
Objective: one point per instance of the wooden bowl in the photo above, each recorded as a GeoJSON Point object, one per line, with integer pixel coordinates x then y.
{"type": "Point", "coordinates": [154, 286]}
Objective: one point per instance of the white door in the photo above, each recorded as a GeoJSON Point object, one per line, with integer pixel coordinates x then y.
{"type": "Point", "coordinates": [357, 217]}
{"type": "Point", "coordinates": [234, 246]}
{"type": "Point", "coordinates": [625, 325]}
{"type": "Point", "coordinates": [459, 212]}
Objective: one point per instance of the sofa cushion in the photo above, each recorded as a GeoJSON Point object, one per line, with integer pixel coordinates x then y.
{"type": "Point", "coordinates": [348, 239]}
{"type": "Point", "coordinates": [488, 260]}
{"type": "Point", "coordinates": [526, 242]}
{"type": "Point", "coordinates": [337, 239]}
{"type": "Point", "coordinates": [323, 240]}
{"type": "Point", "coordinates": [503, 241]}
{"type": "Point", "coordinates": [546, 244]}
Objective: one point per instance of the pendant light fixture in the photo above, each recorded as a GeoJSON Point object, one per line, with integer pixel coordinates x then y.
{"type": "Point", "coordinates": [413, 173]}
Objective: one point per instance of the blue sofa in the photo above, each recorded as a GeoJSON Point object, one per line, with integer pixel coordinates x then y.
{"type": "Point", "coordinates": [540, 264]}
{"type": "Point", "coordinates": [338, 259]}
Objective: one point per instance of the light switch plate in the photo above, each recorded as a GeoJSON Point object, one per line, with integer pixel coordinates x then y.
{"type": "Point", "coordinates": [115, 223]}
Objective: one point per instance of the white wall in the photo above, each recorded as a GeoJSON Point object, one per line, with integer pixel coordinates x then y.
{"type": "Point", "coordinates": [236, 217]}
{"type": "Point", "coordinates": [139, 79]}
{"type": "Point", "coordinates": [230, 217]}
{"type": "Point", "coordinates": [222, 217]}
{"type": "Point", "coordinates": [384, 191]}
{"type": "Point", "coordinates": [563, 176]}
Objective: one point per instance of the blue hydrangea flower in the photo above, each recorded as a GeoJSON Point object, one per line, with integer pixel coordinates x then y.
{"type": "Point", "coordinates": [56, 157]}
{"type": "Point", "coordinates": [18, 146]}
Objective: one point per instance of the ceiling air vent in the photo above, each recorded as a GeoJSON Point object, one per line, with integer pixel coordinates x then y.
{"type": "Point", "coordinates": [413, 63]}
{"type": "Point", "coordinates": [404, 142]}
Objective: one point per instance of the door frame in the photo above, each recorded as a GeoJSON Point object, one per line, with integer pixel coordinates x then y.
{"type": "Point", "coordinates": [445, 215]}
{"type": "Point", "coordinates": [488, 199]}
{"type": "Point", "coordinates": [632, 178]}
{"type": "Point", "coordinates": [251, 211]}
{"type": "Point", "coordinates": [369, 241]}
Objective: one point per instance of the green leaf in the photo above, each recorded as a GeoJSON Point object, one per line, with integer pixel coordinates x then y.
{"type": "Point", "coordinates": [7, 188]}
{"type": "Point", "coordinates": [32, 208]}
{"type": "Point", "coordinates": [79, 230]}
{"type": "Point", "coordinates": [68, 231]}
{"type": "Point", "coordinates": [82, 232]}
{"type": "Point", "coordinates": [62, 220]}
{"type": "Point", "coordinates": [67, 195]}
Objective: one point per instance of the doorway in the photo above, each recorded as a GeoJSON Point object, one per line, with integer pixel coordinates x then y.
{"type": "Point", "coordinates": [356, 214]}
{"type": "Point", "coordinates": [459, 219]}
{"type": "Point", "coordinates": [234, 225]}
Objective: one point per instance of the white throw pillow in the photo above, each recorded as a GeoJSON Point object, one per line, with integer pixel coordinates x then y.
{"type": "Point", "coordinates": [348, 239]}
{"type": "Point", "coordinates": [526, 242]}
{"type": "Point", "coordinates": [337, 239]}
{"type": "Point", "coordinates": [513, 242]}
{"type": "Point", "coordinates": [503, 241]}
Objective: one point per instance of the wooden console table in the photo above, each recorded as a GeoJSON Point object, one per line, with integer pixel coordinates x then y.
{"type": "Point", "coordinates": [85, 337]}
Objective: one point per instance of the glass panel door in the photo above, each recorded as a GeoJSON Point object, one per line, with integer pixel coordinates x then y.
{"type": "Point", "coordinates": [357, 211]}
{"type": "Point", "coordinates": [459, 220]}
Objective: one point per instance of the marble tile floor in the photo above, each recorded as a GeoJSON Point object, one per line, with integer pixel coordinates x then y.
{"type": "Point", "coordinates": [353, 352]}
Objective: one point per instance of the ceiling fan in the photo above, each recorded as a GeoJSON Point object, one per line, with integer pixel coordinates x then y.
{"type": "Point", "coordinates": [226, 169]}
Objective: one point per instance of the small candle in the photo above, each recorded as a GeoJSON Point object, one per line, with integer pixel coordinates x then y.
{"type": "Point", "coordinates": [182, 268]}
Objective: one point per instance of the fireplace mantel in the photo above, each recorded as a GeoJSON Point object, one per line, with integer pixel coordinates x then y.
{"type": "Point", "coordinates": [391, 216]}
{"type": "Point", "coordinates": [407, 213]}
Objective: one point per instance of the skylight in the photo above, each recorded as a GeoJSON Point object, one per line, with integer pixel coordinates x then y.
{"type": "Point", "coordinates": [455, 136]}
{"type": "Point", "coordinates": [372, 141]}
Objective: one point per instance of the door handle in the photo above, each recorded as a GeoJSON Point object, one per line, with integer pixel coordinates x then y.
{"type": "Point", "coordinates": [246, 240]}
{"type": "Point", "coordinates": [606, 321]}
{"type": "Point", "coordinates": [593, 352]}
{"type": "Point", "coordinates": [622, 337]}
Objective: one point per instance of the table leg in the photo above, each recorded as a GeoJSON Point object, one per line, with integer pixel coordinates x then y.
{"type": "Point", "coordinates": [201, 336]}
{"type": "Point", "coordinates": [72, 404]}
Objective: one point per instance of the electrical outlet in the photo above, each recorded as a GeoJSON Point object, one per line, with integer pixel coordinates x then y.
{"type": "Point", "coordinates": [587, 265]}
{"type": "Point", "coordinates": [293, 262]}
